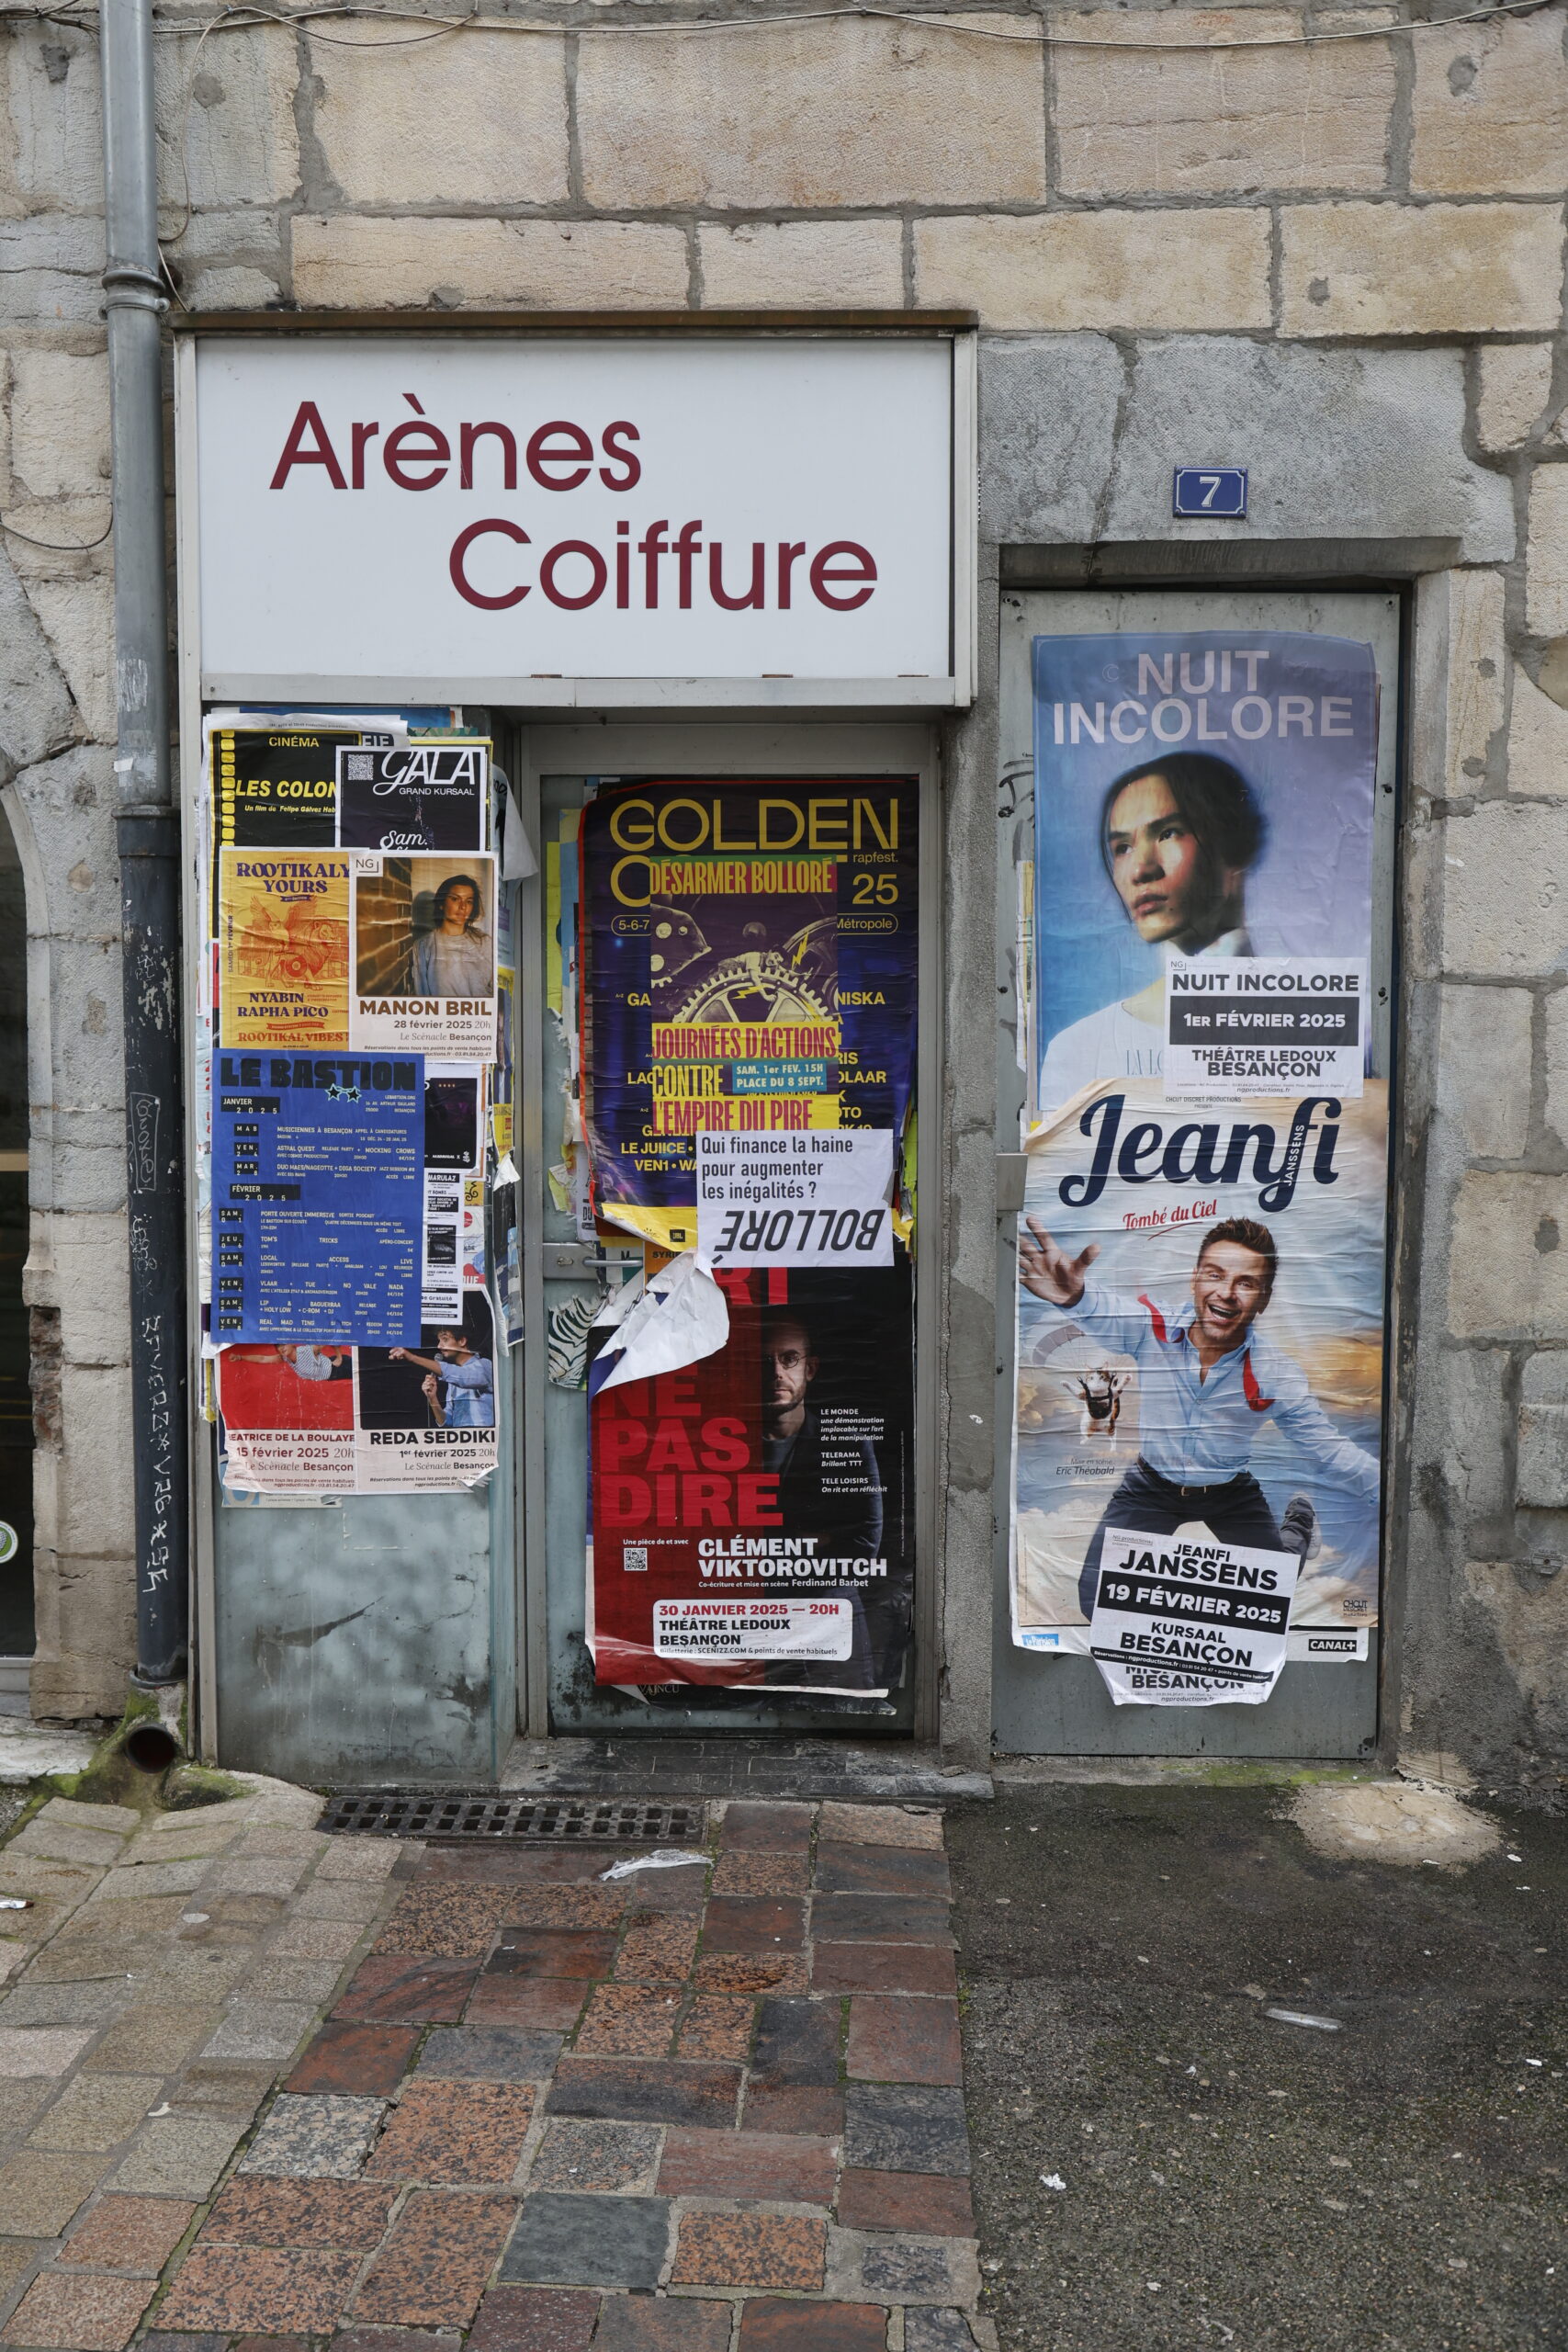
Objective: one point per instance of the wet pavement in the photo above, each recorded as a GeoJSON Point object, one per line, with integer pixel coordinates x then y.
{"type": "Point", "coordinates": [1159, 2162]}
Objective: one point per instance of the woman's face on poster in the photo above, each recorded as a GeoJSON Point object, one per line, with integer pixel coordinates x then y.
{"type": "Point", "coordinates": [458, 911]}
{"type": "Point", "coordinates": [1157, 861]}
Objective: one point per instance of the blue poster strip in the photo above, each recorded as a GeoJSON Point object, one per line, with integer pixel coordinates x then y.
{"type": "Point", "coordinates": [318, 1198]}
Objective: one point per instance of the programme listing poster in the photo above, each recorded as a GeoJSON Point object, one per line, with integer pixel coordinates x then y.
{"type": "Point", "coordinates": [750, 964]}
{"type": "Point", "coordinates": [751, 1513]}
{"type": "Point", "coordinates": [1200, 1263]}
{"type": "Point", "coordinates": [318, 1197]}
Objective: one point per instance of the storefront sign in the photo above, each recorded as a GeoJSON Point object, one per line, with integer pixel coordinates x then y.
{"type": "Point", "coordinates": [1200, 1338]}
{"type": "Point", "coordinates": [420, 507]}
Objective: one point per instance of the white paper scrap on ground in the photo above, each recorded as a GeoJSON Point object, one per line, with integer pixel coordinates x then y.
{"type": "Point", "coordinates": [663, 1858]}
{"type": "Point", "coordinates": [814, 1197]}
{"type": "Point", "coordinates": [1180, 1622]}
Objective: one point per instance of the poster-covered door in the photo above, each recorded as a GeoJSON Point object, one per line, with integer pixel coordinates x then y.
{"type": "Point", "coordinates": [723, 1514]}
{"type": "Point", "coordinates": [1198, 885]}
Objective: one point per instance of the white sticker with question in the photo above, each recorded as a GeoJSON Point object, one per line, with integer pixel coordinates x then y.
{"type": "Point", "coordinates": [814, 1197]}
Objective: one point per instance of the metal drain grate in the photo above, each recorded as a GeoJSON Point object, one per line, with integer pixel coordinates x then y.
{"type": "Point", "coordinates": [447, 1814]}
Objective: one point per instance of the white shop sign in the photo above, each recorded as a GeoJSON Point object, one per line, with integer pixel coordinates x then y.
{"type": "Point", "coordinates": [376, 512]}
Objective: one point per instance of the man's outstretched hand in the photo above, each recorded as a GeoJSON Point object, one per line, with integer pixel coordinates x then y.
{"type": "Point", "coordinates": [1048, 1272]}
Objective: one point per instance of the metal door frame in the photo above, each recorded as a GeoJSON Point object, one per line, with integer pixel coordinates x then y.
{"type": "Point", "coordinates": [723, 747]}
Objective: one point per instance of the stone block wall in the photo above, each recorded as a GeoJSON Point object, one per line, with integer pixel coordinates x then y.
{"type": "Point", "coordinates": [1343, 260]}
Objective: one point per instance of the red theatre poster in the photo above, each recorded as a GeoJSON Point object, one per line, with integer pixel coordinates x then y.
{"type": "Point", "coordinates": [752, 1514]}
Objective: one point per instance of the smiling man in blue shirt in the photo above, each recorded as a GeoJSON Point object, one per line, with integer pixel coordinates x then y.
{"type": "Point", "coordinates": [1207, 1380]}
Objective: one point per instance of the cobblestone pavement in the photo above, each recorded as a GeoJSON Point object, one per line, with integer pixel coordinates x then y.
{"type": "Point", "coordinates": [715, 2107]}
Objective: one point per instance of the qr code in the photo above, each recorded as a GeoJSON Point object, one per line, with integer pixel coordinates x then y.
{"type": "Point", "coordinates": [359, 767]}
{"type": "Point", "coordinates": [634, 1559]}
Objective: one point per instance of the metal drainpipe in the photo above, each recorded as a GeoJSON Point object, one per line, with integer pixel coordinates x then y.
{"type": "Point", "coordinates": [147, 826]}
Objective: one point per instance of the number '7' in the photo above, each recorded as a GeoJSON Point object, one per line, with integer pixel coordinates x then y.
{"type": "Point", "coordinates": [1213, 482]}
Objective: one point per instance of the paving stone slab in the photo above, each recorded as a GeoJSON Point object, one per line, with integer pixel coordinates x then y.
{"type": "Point", "coordinates": [538, 2319]}
{"type": "Point", "coordinates": [22, 2100]}
{"type": "Point", "coordinates": [66, 1845]}
{"type": "Point", "coordinates": [646, 2090]}
{"type": "Point", "coordinates": [797, 2042]}
{"type": "Point", "coordinates": [314, 1939]}
{"type": "Point", "coordinates": [769, 2327]}
{"type": "Point", "coordinates": [433, 2268]}
{"type": "Point", "coordinates": [367, 2061]}
{"type": "Point", "coordinates": [17, 2256]}
{"type": "Point", "coordinates": [446, 1921]}
{"type": "Point", "coordinates": [749, 2250]}
{"type": "Point", "coordinates": [608, 2157]}
{"type": "Point", "coordinates": [94, 2005]}
{"type": "Point", "coordinates": [589, 2241]}
{"type": "Point", "coordinates": [889, 2128]}
{"type": "Point", "coordinates": [761, 1924]}
{"type": "Point", "coordinates": [660, 2323]}
{"type": "Point", "coordinates": [368, 1860]}
{"type": "Point", "coordinates": [129, 1884]}
{"type": "Point", "coordinates": [96, 2111]}
{"type": "Point", "coordinates": [629, 2020]}
{"type": "Point", "coordinates": [550, 2003]}
{"type": "Point", "coordinates": [881, 1870]}
{"type": "Point", "coordinates": [903, 2038]}
{"type": "Point", "coordinates": [767, 1829]}
{"type": "Point", "coordinates": [459, 2133]}
{"type": "Point", "coordinates": [881, 1918]}
{"type": "Point", "coordinates": [656, 1949]}
{"type": "Point", "coordinates": [315, 2138]}
{"type": "Point", "coordinates": [935, 2330]}
{"type": "Point", "coordinates": [180, 2155]}
{"type": "Point", "coordinates": [739, 1873]}
{"type": "Point", "coordinates": [157, 2036]}
{"type": "Point", "coordinates": [788, 2168]}
{"type": "Point", "coordinates": [70, 1813]}
{"type": "Point", "coordinates": [286, 2290]}
{"type": "Point", "coordinates": [927, 2204]}
{"type": "Point", "coordinates": [136, 2234]}
{"type": "Point", "coordinates": [257, 2211]}
{"type": "Point", "coordinates": [338, 1898]}
{"type": "Point", "coordinates": [40, 2193]}
{"type": "Point", "coordinates": [275, 1977]}
{"type": "Point", "coordinates": [554, 1952]}
{"type": "Point", "coordinates": [884, 1968]}
{"type": "Point", "coordinates": [818, 2112]}
{"type": "Point", "coordinates": [79, 2314]}
{"type": "Point", "coordinates": [902, 2269]}
{"type": "Point", "coordinates": [880, 1825]}
{"type": "Point", "coordinates": [394, 1991]}
{"type": "Point", "coordinates": [716, 2025]}
{"type": "Point", "coordinates": [41, 2050]}
{"type": "Point", "coordinates": [256, 2030]}
{"type": "Point", "coordinates": [500, 2053]}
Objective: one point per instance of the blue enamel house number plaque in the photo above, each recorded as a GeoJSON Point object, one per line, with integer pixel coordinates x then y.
{"type": "Point", "coordinates": [1210, 490]}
